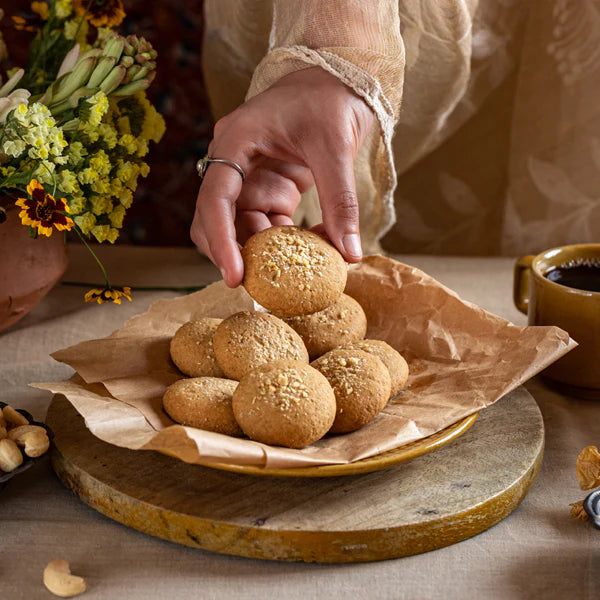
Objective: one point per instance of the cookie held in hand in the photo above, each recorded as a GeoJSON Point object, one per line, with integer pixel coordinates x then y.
{"type": "Point", "coordinates": [340, 324]}
{"type": "Point", "coordinates": [246, 340]}
{"type": "Point", "coordinates": [361, 384]}
{"type": "Point", "coordinates": [203, 402]}
{"type": "Point", "coordinates": [284, 403]}
{"type": "Point", "coordinates": [293, 271]}
{"type": "Point", "coordinates": [192, 348]}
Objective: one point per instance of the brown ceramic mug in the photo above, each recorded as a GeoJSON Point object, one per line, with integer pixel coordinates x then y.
{"type": "Point", "coordinates": [575, 310]}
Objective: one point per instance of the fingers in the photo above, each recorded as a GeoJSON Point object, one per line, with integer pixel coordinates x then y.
{"type": "Point", "coordinates": [213, 229]}
{"type": "Point", "coordinates": [280, 219]}
{"type": "Point", "coordinates": [248, 222]}
{"type": "Point", "coordinates": [270, 196]}
{"type": "Point", "coordinates": [339, 205]}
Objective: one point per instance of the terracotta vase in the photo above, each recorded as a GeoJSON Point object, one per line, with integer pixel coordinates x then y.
{"type": "Point", "coordinates": [29, 268]}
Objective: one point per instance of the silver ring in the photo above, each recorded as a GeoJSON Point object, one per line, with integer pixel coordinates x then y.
{"type": "Point", "coordinates": [204, 163]}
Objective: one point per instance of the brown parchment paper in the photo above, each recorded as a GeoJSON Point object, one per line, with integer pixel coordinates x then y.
{"type": "Point", "coordinates": [461, 360]}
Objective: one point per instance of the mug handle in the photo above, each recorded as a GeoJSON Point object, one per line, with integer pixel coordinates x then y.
{"type": "Point", "coordinates": [521, 282]}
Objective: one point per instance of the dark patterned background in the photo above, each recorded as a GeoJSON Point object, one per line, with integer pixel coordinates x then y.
{"type": "Point", "coordinates": [164, 202]}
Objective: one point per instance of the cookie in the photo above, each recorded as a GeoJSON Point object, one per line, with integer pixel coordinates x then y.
{"type": "Point", "coordinates": [392, 359]}
{"type": "Point", "coordinates": [361, 384]}
{"type": "Point", "coordinates": [246, 340]}
{"type": "Point", "coordinates": [192, 348]}
{"type": "Point", "coordinates": [340, 324]}
{"type": "Point", "coordinates": [284, 403]}
{"type": "Point", "coordinates": [203, 402]}
{"type": "Point", "coordinates": [293, 271]}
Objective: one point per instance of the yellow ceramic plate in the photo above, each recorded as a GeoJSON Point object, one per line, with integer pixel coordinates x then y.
{"type": "Point", "coordinates": [366, 465]}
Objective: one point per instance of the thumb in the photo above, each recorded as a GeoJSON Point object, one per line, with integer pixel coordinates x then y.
{"type": "Point", "coordinates": [339, 205]}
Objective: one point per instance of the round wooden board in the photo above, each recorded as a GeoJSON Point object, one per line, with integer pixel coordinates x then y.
{"type": "Point", "coordinates": [432, 501]}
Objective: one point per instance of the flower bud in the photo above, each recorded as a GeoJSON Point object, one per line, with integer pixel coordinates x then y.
{"type": "Point", "coordinates": [113, 80]}
{"type": "Point", "coordinates": [132, 88]}
{"type": "Point", "coordinates": [79, 76]}
{"type": "Point", "coordinates": [10, 85]}
{"type": "Point", "coordinates": [103, 68]}
{"type": "Point", "coordinates": [113, 46]}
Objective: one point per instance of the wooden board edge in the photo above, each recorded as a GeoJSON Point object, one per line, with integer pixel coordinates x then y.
{"type": "Point", "coordinates": [291, 545]}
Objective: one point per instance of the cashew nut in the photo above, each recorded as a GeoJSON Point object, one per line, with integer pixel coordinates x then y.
{"type": "Point", "coordinates": [35, 443]}
{"type": "Point", "coordinates": [17, 432]}
{"type": "Point", "coordinates": [58, 579]}
{"type": "Point", "coordinates": [10, 455]}
{"type": "Point", "coordinates": [13, 417]}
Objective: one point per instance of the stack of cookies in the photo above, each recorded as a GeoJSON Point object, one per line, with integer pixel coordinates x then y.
{"type": "Point", "coordinates": [290, 376]}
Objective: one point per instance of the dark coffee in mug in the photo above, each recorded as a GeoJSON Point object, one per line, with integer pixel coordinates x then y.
{"type": "Point", "coordinates": [572, 305]}
{"type": "Point", "coordinates": [579, 273]}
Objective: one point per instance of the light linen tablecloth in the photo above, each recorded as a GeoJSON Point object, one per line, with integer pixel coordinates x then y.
{"type": "Point", "coordinates": [539, 551]}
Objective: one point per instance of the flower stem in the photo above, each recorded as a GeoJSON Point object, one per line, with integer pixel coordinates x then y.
{"type": "Point", "coordinates": [93, 254]}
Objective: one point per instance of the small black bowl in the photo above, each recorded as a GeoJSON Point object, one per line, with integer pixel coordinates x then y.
{"type": "Point", "coordinates": [27, 460]}
{"type": "Point", "coordinates": [591, 505]}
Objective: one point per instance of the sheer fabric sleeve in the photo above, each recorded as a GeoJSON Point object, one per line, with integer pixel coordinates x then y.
{"type": "Point", "coordinates": [361, 44]}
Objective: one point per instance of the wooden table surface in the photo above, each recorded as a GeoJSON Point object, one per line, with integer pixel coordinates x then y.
{"type": "Point", "coordinates": [538, 551]}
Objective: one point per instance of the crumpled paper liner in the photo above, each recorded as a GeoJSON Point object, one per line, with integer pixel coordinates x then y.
{"type": "Point", "coordinates": [461, 360]}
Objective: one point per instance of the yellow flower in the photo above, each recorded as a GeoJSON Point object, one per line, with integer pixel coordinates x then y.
{"type": "Point", "coordinates": [108, 134]}
{"type": "Point", "coordinates": [7, 172]}
{"type": "Point", "coordinates": [98, 105]}
{"type": "Point", "coordinates": [100, 232]}
{"type": "Point", "coordinates": [112, 235]}
{"type": "Point", "coordinates": [154, 126]}
{"type": "Point", "coordinates": [63, 8]}
{"type": "Point", "coordinates": [67, 181]}
{"type": "Point", "coordinates": [100, 205]}
{"type": "Point", "coordinates": [87, 176]}
{"type": "Point", "coordinates": [101, 186]}
{"type": "Point", "coordinates": [85, 222]}
{"type": "Point", "coordinates": [115, 186]}
{"type": "Point", "coordinates": [125, 197]}
{"type": "Point", "coordinates": [129, 143]}
{"type": "Point", "coordinates": [90, 131]}
{"type": "Point", "coordinates": [36, 127]}
{"type": "Point", "coordinates": [142, 147]}
{"type": "Point", "coordinates": [14, 147]}
{"type": "Point", "coordinates": [116, 216]}
{"type": "Point", "coordinates": [105, 233]}
{"type": "Point", "coordinates": [123, 124]}
{"type": "Point", "coordinates": [45, 173]}
{"type": "Point", "coordinates": [43, 211]}
{"type": "Point", "coordinates": [75, 30]}
{"type": "Point", "coordinates": [108, 294]}
{"type": "Point", "coordinates": [76, 152]}
{"type": "Point", "coordinates": [77, 203]}
{"type": "Point", "coordinates": [128, 173]}
{"type": "Point", "coordinates": [100, 162]}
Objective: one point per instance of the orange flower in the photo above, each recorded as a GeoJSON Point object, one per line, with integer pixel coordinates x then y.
{"type": "Point", "coordinates": [29, 23]}
{"type": "Point", "coordinates": [100, 13]}
{"type": "Point", "coordinates": [42, 9]}
{"type": "Point", "coordinates": [43, 211]}
{"type": "Point", "coordinates": [108, 294]}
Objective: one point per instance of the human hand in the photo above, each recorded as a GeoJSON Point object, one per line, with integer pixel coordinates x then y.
{"type": "Point", "coordinates": [306, 129]}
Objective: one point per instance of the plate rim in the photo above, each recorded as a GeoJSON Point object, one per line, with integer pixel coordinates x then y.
{"type": "Point", "coordinates": [370, 464]}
